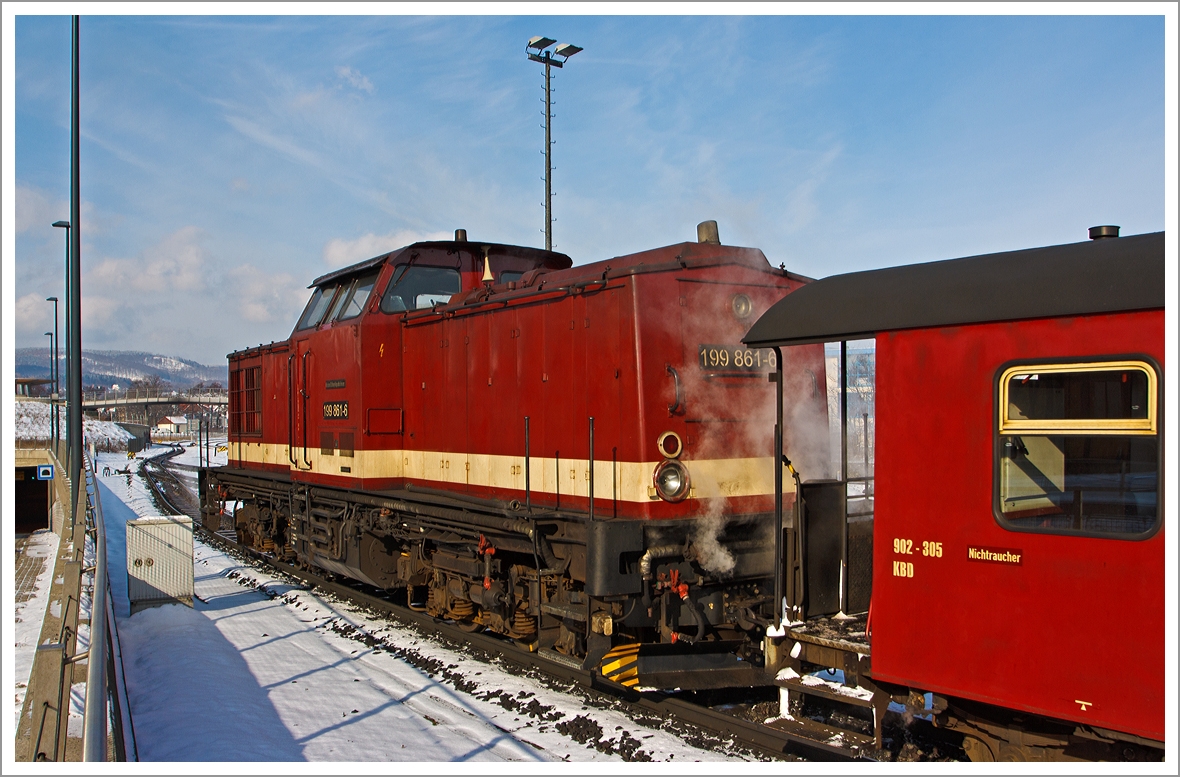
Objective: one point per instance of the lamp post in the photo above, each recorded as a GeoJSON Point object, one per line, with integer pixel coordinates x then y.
{"type": "Point", "coordinates": [53, 390]}
{"type": "Point", "coordinates": [57, 377]}
{"type": "Point", "coordinates": [68, 305]}
{"type": "Point", "coordinates": [537, 51]}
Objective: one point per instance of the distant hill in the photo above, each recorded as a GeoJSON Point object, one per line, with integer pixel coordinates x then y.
{"type": "Point", "coordinates": [104, 368]}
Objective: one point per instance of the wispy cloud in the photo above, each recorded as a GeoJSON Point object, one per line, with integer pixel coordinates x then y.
{"type": "Point", "coordinates": [355, 78]}
{"type": "Point", "coordinates": [36, 209]}
{"type": "Point", "coordinates": [284, 146]}
{"type": "Point", "coordinates": [176, 264]}
{"type": "Point", "coordinates": [339, 252]}
{"type": "Point", "coordinates": [265, 297]}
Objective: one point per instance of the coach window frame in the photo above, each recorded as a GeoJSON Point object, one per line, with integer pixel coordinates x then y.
{"type": "Point", "coordinates": [1078, 428]}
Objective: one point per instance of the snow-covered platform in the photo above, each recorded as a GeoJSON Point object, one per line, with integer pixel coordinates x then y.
{"type": "Point", "coordinates": [262, 670]}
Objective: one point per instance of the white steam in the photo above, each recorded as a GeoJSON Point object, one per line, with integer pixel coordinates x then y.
{"type": "Point", "coordinates": [710, 553]}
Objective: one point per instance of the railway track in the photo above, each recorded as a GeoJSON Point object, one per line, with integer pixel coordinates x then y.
{"type": "Point", "coordinates": [697, 722]}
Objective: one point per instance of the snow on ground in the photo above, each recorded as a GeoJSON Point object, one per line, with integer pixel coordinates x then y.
{"type": "Point", "coordinates": [263, 670]}
{"type": "Point", "coordinates": [30, 614]}
{"type": "Point", "coordinates": [32, 423]}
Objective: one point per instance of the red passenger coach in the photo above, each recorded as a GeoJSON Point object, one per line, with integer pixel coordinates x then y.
{"type": "Point", "coordinates": [1016, 498]}
{"type": "Point", "coordinates": [575, 457]}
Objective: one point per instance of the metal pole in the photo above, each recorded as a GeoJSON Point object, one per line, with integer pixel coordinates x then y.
{"type": "Point", "coordinates": [56, 383]}
{"type": "Point", "coordinates": [780, 570]}
{"type": "Point", "coordinates": [548, 164]}
{"type": "Point", "coordinates": [74, 415]}
{"type": "Point", "coordinates": [94, 732]}
{"type": "Point", "coordinates": [591, 468]}
{"type": "Point", "coordinates": [528, 498]}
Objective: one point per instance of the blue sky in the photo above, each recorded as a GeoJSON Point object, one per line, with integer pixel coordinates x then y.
{"type": "Point", "coordinates": [227, 161]}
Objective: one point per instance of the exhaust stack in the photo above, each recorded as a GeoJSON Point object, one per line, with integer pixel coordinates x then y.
{"type": "Point", "coordinates": [707, 233]}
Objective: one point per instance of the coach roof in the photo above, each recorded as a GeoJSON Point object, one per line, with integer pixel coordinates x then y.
{"type": "Point", "coordinates": [1098, 276]}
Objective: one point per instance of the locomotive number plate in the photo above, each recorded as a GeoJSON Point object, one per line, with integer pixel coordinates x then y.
{"type": "Point", "coordinates": [335, 410]}
{"type": "Point", "coordinates": [735, 358]}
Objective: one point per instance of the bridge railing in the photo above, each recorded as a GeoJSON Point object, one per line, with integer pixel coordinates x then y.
{"type": "Point", "coordinates": [170, 396]}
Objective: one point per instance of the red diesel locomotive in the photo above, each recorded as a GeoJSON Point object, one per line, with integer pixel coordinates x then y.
{"type": "Point", "coordinates": [441, 415]}
{"type": "Point", "coordinates": [1016, 501]}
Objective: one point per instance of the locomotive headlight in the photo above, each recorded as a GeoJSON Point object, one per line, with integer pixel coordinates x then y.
{"type": "Point", "coordinates": [671, 480]}
{"type": "Point", "coordinates": [742, 307]}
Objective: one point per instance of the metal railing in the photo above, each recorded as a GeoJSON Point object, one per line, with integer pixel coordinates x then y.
{"type": "Point", "coordinates": [202, 396]}
{"type": "Point", "coordinates": [43, 729]}
{"type": "Point", "coordinates": [106, 661]}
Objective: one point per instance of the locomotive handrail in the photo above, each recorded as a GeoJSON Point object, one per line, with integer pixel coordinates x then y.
{"type": "Point", "coordinates": [418, 317]}
{"type": "Point", "coordinates": [291, 411]}
{"type": "Point", "coordinates": [679, 403]}
{"type": "Point", "coordinates": [306, 396]}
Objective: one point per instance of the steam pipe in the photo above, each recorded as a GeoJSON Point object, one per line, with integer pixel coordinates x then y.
{"type": "Point", "coordinates": [660, 551]}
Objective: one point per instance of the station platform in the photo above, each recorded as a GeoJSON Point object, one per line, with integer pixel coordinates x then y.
{"type": "Point", "coordinates": [261, 669]}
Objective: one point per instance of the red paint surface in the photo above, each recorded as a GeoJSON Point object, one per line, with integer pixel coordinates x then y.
{"type": "Point", "coordinates": [1079, 619]}
{"type": "Point", "coordinates": [466, 378]}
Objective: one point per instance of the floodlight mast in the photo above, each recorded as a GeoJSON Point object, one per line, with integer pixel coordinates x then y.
{"type": "Point", "coordinates": [536, 51]}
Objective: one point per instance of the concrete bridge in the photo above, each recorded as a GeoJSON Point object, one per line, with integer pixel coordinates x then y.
{"type": "Point", "coordinates": [104, 400]}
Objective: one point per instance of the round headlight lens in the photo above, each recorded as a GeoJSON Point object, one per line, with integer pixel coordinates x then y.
{"type": "Point", "coordinates": [671, 480]}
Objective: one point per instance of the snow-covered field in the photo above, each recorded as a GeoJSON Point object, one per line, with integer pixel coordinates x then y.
{"type": "Point", "coordinates": [262, 670]}
{"type": "Point", "coordinates": [32, 422]}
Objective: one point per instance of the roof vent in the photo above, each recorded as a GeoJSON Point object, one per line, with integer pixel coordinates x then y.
{"type": "Point", "coordinates": [461, 235]}
{"type": "Point", "coordinates": [707, 233]}
{"type": "Point", "coordinates": [1101, 233]}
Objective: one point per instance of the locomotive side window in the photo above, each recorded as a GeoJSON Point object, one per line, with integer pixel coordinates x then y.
{"type": "Point", "coordinates": [1079, 448]}
{"type": "Point", "coordinates": [317, 306]}
{"type": "Point", "coordinates": [358, 294]}
{"type": "Point", "coordinates": [414, 287]}
{"type": "Point", "coordinates": [245, 401]}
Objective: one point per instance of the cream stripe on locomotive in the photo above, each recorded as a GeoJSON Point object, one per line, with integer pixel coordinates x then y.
{"type": "Point", "coordinates": [709, 478]}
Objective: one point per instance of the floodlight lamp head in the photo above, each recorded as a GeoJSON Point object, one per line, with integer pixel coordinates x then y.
{"type": "Point", "coordinates": [65, 224]}
{"type": "Point", "coordinates": [566, 50]}
{"type": "Point", "coordinates": [51, 299]}
{"type": "Point", "coordinates": [540, 42]}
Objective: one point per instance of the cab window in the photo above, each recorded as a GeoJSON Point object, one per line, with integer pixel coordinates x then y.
{"type": "Point", "coordinates": [415, 287]}
{"type": "Point", "coordinates": [358, 294]}
{"type": "Point", "coordinates": [1078, 448]}
{"type": "Point", "coordinates": [321, 300]}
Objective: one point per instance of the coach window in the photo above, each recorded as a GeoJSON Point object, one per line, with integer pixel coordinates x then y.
{"type": "Point", "coordinates": [1079, 448]}
{"type": "Point", "coordinates": [414, 287]}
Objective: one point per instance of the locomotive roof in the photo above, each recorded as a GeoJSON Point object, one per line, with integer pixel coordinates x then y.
{"type": "Point", "coordinates": [550, 259]}
{"type": "Point", "coordinates": [1098, 276]}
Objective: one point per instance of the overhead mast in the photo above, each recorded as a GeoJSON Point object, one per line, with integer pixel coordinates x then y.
{"type": "Point", "coordinates": [536, 51]}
